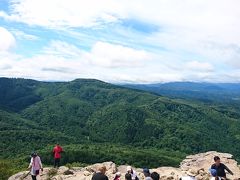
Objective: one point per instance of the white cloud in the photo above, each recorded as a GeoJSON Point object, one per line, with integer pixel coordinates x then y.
{"type": "Point", "coordinates": [207, 16]}
{"type": "Point", "coordinates": [116, 56]}
{"type": "Point", "coordinates": [24, 36]}
{"type": "Point", "coordinates": [199, 66]}
{"type": "Point", "coordinates": [63, 61]}
{"type": "Point", "coordinates": [7, 40]}
{"type": "Point", "coordinates": [202, 27]}
{"type": "Point", "coordinates": [55, 13]}
{"type": "Point", "coordinates": [62, 49]}
{"type": "Point", "coordinates": [198, 29]}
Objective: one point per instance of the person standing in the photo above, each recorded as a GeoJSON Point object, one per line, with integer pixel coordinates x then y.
{"type": "Point", "coordinates": [147, 174]}
{"type": "Point", "coordinates": [132, 172]}
{"type": "Point", "coordinates": [155, 176]}
{"type": "Point", "coordinates": [220, 168]}
{"type": "Point", "coordinates": [100, 174]}
{"type": "Point", "coordinates": [117, 176]}
{"type": "Point", "coordinates": [57, 150]}
{"type": "Point", "coordinates": [128, 176]}
{"type": "Point", "coordinates": [35, 165]}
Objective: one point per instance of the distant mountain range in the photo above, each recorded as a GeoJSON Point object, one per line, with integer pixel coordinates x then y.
{"type": "Point", "coordinates": [123, 122]}
{"type": "Point", "coordinates": [206, 92]}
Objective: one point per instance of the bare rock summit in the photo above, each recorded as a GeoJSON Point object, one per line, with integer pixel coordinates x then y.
{"type": "Point", "coordinates": [200, 163]}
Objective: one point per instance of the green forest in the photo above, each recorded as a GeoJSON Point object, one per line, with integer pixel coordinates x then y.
{"type": "Point", "coordinates": [96, 121]}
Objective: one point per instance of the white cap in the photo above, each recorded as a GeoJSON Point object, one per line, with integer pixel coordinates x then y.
{"type": "Point", "coordinates": [129, 168]}
{"type": "Point", "coordinates": [118, 174]}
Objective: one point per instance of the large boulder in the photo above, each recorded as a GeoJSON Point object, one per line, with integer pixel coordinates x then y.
{"type": "Point", "coordinates": [202, 163]}
{"type": "Point", "coordinates": [168, 172]}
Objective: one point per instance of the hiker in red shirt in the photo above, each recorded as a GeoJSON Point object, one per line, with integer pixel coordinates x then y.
{"type": "Point", "coordinates": [57, 150]}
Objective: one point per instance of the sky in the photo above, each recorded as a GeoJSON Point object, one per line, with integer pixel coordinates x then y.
{"type": "Point", "coordinates": [121, 41]}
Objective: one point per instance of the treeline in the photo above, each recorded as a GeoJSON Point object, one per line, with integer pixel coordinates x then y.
{"type": "Point", "coordinates": [86, 154]}
{"type": "Point", "coordinates": [120, 154]}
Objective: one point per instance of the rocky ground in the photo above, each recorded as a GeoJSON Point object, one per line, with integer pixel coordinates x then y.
{"type": "Point", "coordinates": [200, 163]}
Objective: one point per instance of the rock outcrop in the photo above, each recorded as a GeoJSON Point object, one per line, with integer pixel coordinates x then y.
{"type": "Point", "coordinates": [200, 163]}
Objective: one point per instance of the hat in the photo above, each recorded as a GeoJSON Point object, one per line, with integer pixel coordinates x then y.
{"type": "Point", "coordinates": [129, 168]}
{"type": "Point", "coordinates": [146, 170]}
{"type": "Point", "coordinates": [118, 174]}
{"type": "Point", "coordinates": [191, 172]}
{"type": "Point", "coordinates": [213, 172]}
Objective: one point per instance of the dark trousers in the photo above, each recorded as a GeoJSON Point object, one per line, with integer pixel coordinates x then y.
{"type": "Point", "coordinates": [56, 162]}
{"type": "Point", "coordinates": [34, 177]}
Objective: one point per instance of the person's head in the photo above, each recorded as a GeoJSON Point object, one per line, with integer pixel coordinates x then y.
{"type": "Point", "coordinates": [118, 174]}
{"type": "Point", "coordinates": [146, 172]}
{"type": "Point", "coordinates": [155, 176]}
{"type": "Point", "coordinates": [129, 169]}
{"type": "Point", "coordinates": [217, 160]}
{"type": "Point", "coordinates": [128, 176]}
{"type": "Point", "coordinates": [102, 169]}
{"type": "Point", "coordinates": [57, 144]}
{"type": "Point", "coordinates": [213, 172]}
{"type": "Point", "coordinates": [34, 154]}
{"type": "Point", "coordinates": [191, 173]}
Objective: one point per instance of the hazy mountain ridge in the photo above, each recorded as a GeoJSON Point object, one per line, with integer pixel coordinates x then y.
{"type": "Point", "coordinates": [213, 92]}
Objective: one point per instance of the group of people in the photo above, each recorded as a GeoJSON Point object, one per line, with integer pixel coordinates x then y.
{"type": "Point", "coordinates": [217, 170]}
{"type": "Point", "coordinates": [130, 174]}
{"type": "Point", "coordinates": [36, 165]}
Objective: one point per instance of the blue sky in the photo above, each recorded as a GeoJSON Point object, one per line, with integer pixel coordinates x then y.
{"type": "Point", "coordinates": [136, 41]}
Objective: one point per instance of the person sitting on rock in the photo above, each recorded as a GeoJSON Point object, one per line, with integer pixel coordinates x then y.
{"type": "Point", "coordinates": [213, 172]}
{"type": "Point", "coordinates": [155, 176]}
{"type": "Point", "coordinates": [35, 165]}
{"type": "Point", "coordinates": [128, 176]}
{"type": "Point", "coordinates": [132, 172]}
{"type": "Point", "coordinates": [220, 168]}
{"type": "Point", "coordinates": [117, 176]}
{"type": "Point", "coordinates": [100, 174]}
{"type": "Point", "coordinates": [191, 174]}
{"type": "Point", "coordinates": [147, 174]}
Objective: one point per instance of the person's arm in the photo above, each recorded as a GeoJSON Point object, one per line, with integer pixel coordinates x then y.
{"type": "Point", "coordinates": [30, 164]}
{"type": "Point", "coordinates": [228, 170]}
{"type": "Point", "coordinates": [61, 150]}
{"type": "Point", "coordinates": [40, 163]}
{"type": "Point", "coordinates": [53, 151]}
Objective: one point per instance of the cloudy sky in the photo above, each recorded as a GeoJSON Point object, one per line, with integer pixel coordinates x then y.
{"type": "Point", "coordinates": [140, 41]}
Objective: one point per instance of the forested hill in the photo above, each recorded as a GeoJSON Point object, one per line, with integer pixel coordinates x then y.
{"type": "Point", "coordinates": [36, 114]}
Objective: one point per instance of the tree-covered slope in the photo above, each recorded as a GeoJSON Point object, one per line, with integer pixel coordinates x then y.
{"type": "Point", "coordinates": [19, 135]}
{"type": "Point", "coordinates": [91, 111]}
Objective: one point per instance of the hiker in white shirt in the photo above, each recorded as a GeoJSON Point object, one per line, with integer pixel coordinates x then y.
{"type": "Point", "coordinates": [35, 165]}
{"type": "Point", "coordinates": [132, 172]}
